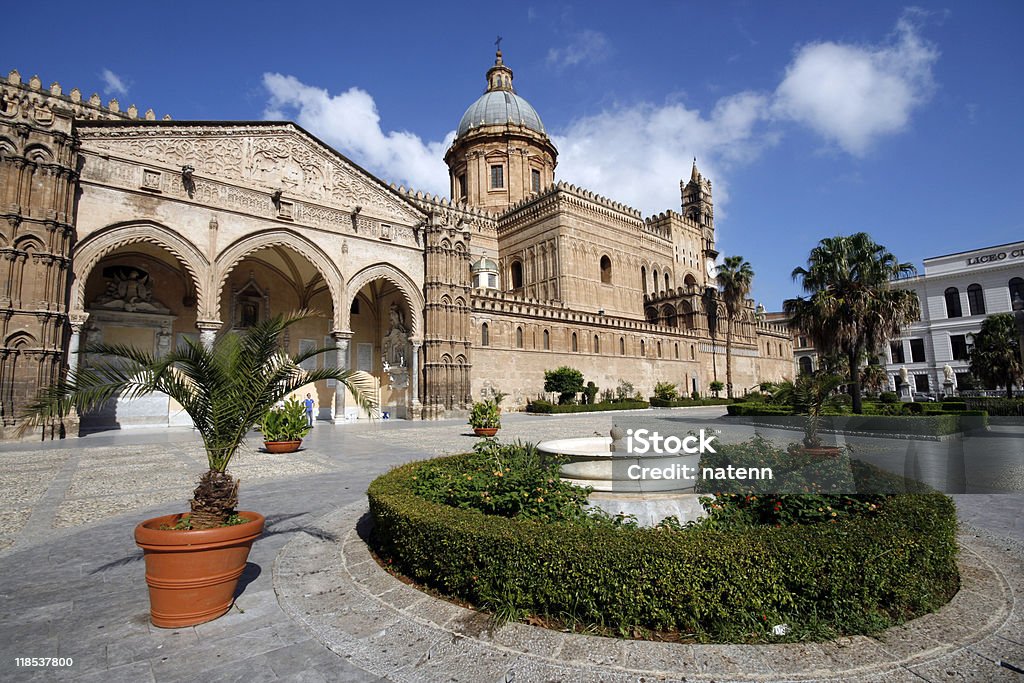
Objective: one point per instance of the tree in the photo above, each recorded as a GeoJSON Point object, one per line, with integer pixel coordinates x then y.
{"type": "Point", "coordinates": [565, 381]}
{"type": "Point", "coordinates": [852, 308]}
{"type": "Point", "coordinates": [810, 395]}
{"type": "Point", "coordinates": [995, 358]}
{"type": "Point", "coordinates": [734, 278]}
{"type": "Point", "coordinates": [226, 390]}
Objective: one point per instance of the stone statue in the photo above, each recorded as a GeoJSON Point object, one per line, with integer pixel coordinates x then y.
{"type": "Point", "coordinates": [947, 373]}
{"type": "Point", "coordinates": [163, 340]}
{"type": "Point", "coordinates": [397, 338]}
{"type": "Point", "coordinates": [904, 376]}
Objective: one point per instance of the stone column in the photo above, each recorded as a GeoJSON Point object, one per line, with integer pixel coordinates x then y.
{"type": "Point", "coordinates": [341, 343]}
{"type": "Point", "coordinates": [414, 368]}
{"type": "Point", "coordinates": [77, 322]}
{"type": "Point", "coordinates": [208, 331]}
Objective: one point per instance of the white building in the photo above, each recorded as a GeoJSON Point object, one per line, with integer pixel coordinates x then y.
{"type": "Point", "coordinates": [957, 292]}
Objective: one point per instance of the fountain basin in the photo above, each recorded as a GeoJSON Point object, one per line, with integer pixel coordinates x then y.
{"type": "Point", "coordinates": [626, 483]}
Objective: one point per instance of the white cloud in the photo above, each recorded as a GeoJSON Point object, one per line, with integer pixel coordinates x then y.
{"type": "Point", "coordinates": [586, 46]}
{"type": "Point", "coordinates": [638, 154]}
{"type": "Point", "coordinates": [350, 122]}
{"type": "Point", "coordinates": [855, 94]}
{"type": "Point", "coordinates": [113, 84]}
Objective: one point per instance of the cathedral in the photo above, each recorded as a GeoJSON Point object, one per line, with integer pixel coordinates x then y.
{"type": "Point", "coordinates": [123, 228]}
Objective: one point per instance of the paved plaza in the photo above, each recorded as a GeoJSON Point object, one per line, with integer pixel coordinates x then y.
{"type": "Point", "coordinates": [314, 607]}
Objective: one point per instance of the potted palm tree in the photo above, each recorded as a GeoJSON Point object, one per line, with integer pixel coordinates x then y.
{"type": "Point", "coordinates": [194, 560]}
{"type": "Point", "coordinates": [284, 426]}
{"type": "Point", "coordinates": [485, 418]}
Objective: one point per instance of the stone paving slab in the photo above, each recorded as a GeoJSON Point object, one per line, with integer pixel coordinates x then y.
{"type": "Point", "coordinates": [355, 607]}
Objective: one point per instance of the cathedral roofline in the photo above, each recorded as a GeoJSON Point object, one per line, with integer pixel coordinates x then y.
{"type": "Point", "coordinates": [169, 123]}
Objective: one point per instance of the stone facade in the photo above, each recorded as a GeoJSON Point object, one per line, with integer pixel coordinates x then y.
{"type": "Point", "coordinates": [151, 232]}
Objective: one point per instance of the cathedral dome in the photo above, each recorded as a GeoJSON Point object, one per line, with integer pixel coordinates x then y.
{"type": "Point", "coordinates": [500, 107]}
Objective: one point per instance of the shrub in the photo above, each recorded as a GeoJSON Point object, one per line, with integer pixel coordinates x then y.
{"type": "Point", "coordinates": [888, 397]}
{"type": "Point", "coordinates": [752, 409]}
{"type": "Point", "coordinates": [1004, 407]}
{"type": "Point", "coordinates": [589, 393]}
{"type": "Point", "coordinates": [564, 381]}
{"type": "Point", "coordinates": [913, 408]}
{"type": "Point", "coordinates": [624, 390]}
{"type": "Point", "coordinates": [715, 387]}
{"type": "Point", "coordinates": [665, 391]}
{"type": "Point", "coordinates": [287, 423]}
{"type": "Point", "coordinates": [860, 574]}
{"type": "Point", "coordinates": [695, 395]}
{"type": "Point", "coordinates": [485, 415]}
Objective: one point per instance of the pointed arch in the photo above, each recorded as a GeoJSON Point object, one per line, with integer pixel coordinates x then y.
{"type": "Point", "coordinates": [102, 242]}
{"type": "Point", "coordinates": [230, 257]}
{"type": "Point", "coordinates": [410, 293]}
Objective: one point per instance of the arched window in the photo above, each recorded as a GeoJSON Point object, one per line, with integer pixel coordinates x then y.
{"type": "Point", "coordinates": [806, 367]}
{"type": "Point", "coordinates": [976, 299]}
{"type": "Point", "coordinates": [519, 337]}
{"type": "Point", "coordinates": [668, 315]}
{"type": "Point", "coordinates": [643, 278]}
{"type": "Point", "coordinates": [659, 349]}
{"type": "Point", "coordinates": [643, 348]}
{"type": "Point", "coordinates": [693, 352]}
{"type": "Point", "coordinates": [597, 344]}
{"type": "Point", "coordinates": [485, 335]}
{"type": "Point", "coordinates": [666, 282]}
{"type": "Point", "coordinates": [575, 343]}
{"type": "Point", "coordinates": [655, 282]}
{"type": "Point", "coordinates": [516, 273]}
{"type": "Point", "coordinates": [547, 340]}
{"type": "Point", "coordinates": [677, 351]}
{"type": "Point", "coordinates": [953, 309]}
{"type": "Point", "coordinates": [606, 270]}
{"type": "Point", "coordinates": [1016, 289]}
{"type": "Point", "coordinates": [780, 348]}
{"type": "Point", "coordinates": [622, 346]}
{"type": "Point", "coordinates": [652, 316]}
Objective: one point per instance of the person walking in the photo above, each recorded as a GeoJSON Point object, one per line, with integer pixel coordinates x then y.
{"type": "Point", "coordinates": [308, 403]}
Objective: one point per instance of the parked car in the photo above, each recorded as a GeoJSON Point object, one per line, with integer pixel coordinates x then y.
{"type": "Point", "coordinates": [924, 398]}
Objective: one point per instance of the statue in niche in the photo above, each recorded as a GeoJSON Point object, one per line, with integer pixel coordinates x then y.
{"type": "Point", "coordinates": [396, 343]}
{"type": "Point", "coordinates": [163, 340]}
{"type": "Point", "coordinates": [129, 290]}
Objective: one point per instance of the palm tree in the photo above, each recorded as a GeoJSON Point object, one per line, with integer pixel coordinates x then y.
{"type": "Point", "coordinates": [734, 278]}
{"type": "Point", "coordinates": [225, 389]}
{"type": "Point", "coordinates": [995, 358]}
{"type": "Point", "coordinates": [852, 308]}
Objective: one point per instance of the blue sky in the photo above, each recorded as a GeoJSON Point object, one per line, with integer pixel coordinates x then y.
{"type": "Point", "coordinates": [812, 118]}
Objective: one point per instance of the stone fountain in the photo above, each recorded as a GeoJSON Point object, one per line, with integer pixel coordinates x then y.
{"type": "Point", "coordinates": [630, 483]}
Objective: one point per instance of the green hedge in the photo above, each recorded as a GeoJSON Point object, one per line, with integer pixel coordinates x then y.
{"type": "Point", "coordinates": [682, 402]}
{"type": "Point", "coordinates": [752, 409]}
{"type": "Point", "coordinates": [858, 575]}
{"type": "Point", "coordinates": [1003, 407]}
{"type": "Point", "coordinates": [548, 408]}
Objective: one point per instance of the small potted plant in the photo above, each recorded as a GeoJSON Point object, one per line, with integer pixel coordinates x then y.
{"type": "Point", "coordinates": [284, 426]}
{"type": "Point", "coordinates": [485, 418]}
{"type": "Point", "coordinates": [194, 560]}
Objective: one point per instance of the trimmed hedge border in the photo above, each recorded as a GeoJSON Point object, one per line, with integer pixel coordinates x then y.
{"type": "Point", "coordinates": [928, 423]}
{"type": "Point", "coordinates": [859, 575]}
{"type": "Point", "coordinates": [551, 408]}
{"type": "Point", "coordinates": [685, 402]}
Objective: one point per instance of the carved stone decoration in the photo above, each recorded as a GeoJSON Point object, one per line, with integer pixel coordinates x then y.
{"type": "Point", "coordinates": [130, 290]}
{"type": "Point", "coordinates": [269, 156]}
{"type": "Point", "coordinates": [396, 341]}
{"type": "Point", "coordinates": [250, 304]}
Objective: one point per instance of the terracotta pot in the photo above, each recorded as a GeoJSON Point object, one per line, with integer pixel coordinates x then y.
{"type": "Point", "coordinates": [192, 575]}
{"type": "Point", "coordinates": [282, 446]}
{"type": "Point", "coordinates": [485, 431]}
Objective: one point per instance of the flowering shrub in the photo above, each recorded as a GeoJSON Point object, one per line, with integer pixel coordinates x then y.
{"type": "Point", "coordinates": [805, 488]}
{"type": "Point", "coordinates": [505, 480]}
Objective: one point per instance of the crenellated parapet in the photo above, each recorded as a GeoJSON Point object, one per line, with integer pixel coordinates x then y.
{"type": "Point", "coordinates": [33, 103]}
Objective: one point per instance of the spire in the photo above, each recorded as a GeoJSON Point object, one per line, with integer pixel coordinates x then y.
{"type": "Point", "coordinates": [499, 76]}
{"type": "Point", "coordinates": [694, 173]}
